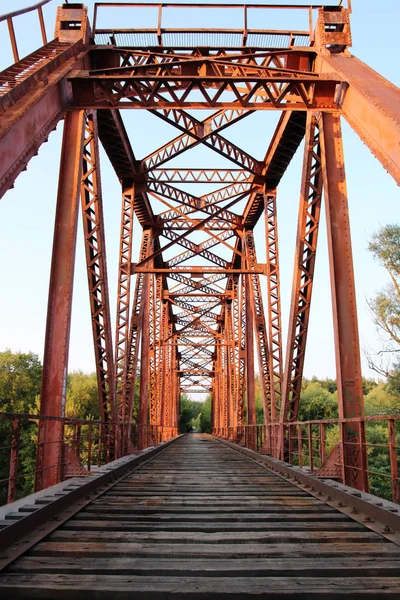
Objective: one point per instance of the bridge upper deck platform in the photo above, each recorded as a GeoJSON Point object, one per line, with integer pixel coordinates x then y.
{"type": "Point", "coordinates": [201, 519]}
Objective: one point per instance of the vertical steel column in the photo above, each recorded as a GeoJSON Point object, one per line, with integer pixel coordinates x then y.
{"type": "Point", "coordinates": [303, 275]}
{"type": "Point", "coordinates": [165, 375]}
{"type": "Point", "coordinates": [274, 302]}
{"type": "Point", "coordinates": [134, 334]}
{"type": "Point", "coordinates": [176, 406]}
{"type": "Point", "coordinates": [231, 362]}
{"type": "Point", "coordinates": [95, 250]}
{"type": "Point", "coordinates": [123, 296]}
{"type": "Point", "coordinates": [55, 362]}
{"type": "Point", "coordinates": [347, 345]}
{"type": "Point", "coordinates": [152, 354]}
{"type": "Point", "coordinates": [250, 388]}
{"type": "Point", "coordinates": [143, 420]}
{"type": "Point", "coordinates": [242, 352]}
{"type": "Point", "coordinates": [260, 328]}
{"type": "Point", "coordinates": [224, 373]}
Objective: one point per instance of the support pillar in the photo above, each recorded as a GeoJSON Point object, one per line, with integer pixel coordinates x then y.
{"type": "Point", "coordinates": [144, 367]}
{"type": "Point", "coordinates": [250, 388]}
{"type": "Point", "coordinates": [55, 362]}
{"type": "Point", "coordinates": [347, 345]}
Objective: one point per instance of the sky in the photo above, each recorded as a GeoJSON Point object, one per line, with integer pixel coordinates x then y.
{"type": "Point", "coordinates": [27, 211]}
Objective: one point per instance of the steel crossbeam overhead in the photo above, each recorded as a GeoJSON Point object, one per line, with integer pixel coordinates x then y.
{"type": "Point", "coordinates": [196, 306]}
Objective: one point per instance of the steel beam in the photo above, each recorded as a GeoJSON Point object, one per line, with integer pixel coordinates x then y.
{"type": "Point", "coordinates": [96, 264]}
{"type": "Point", "coordinates": [303, 275]}
{"type": "Point", "coordinates": [274, 302]}
{"type": "Point", "coordinates": [371, 105]}
{"type": "Point", "coordinates": [347, 345]}
{"type": "Point", "coordinates": [55, 362]}
{"type": "Point", "coordinates": [123, 295]}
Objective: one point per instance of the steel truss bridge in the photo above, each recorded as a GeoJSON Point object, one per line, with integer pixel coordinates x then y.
{"type": "Point", "coordinates": [191, 315]}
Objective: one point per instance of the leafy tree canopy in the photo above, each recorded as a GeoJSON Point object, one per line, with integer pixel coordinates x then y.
{"type": "Point", "coordinates": [82, 396]}
{"type": "Point", "coordinates": [20, 381]}
{"type": "Point", "coordinates": [190, 411]}
{"type": "Point", "coordinates": [385, 306]}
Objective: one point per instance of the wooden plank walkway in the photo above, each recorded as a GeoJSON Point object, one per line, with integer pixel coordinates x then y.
{"type": "Point", "coordinates": [202, 520]}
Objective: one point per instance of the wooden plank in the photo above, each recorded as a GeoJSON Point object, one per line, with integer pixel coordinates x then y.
{"type": "Point", "coordinates": [198, 537]}
{"type": "Point", "coordinates": [210, 527]}
{"type": "Point", "coordinates": [201, 520]}
{"type": "Point", "coordinates": [215, 567]}
{"type": "Point", "coordinates": [119, 586]}
{"type": "Point", "coordinates": [112, 550]}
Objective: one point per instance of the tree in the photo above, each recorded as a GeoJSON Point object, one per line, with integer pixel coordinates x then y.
{"type": "Point", "coordinates": [316, 402]}
{"type": "Point", "coordinates": [205, 416]}
{"type": "Point", "coordinates": [190, 410]}
{"type": "Point", "coordinates": [20, 381]}
{"type": "Point", "coordinates": [82, 396]}
{"type": "Point", "coordinates": [385, 307]}
{"type": "Point", "coordinates": [380, 401]}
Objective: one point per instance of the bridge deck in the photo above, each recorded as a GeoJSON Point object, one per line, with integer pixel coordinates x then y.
{"type": "Point", "coordinates": [202, 519]}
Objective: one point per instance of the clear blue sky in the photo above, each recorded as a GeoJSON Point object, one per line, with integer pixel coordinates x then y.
{"type": "Point", "coordinates": [27, 211]}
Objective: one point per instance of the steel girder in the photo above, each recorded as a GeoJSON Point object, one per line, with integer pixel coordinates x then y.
{"type": "Point", "coordinates": [197, 299]}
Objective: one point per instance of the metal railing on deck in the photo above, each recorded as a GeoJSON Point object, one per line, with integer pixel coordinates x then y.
{"type": "Point", "coordinates": [308, 444]}
{"type": "Point", "coordinates": [84, 445]}
{"type": "Point", "coordinates": [160, 35]}
{"type": "Point", "coordinates": [22, 11]}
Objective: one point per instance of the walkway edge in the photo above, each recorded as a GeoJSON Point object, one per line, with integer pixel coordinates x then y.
{"type": "Point", "coordinates": [64, 502]}
{"type": "Point", "coordinates": [380, 516]}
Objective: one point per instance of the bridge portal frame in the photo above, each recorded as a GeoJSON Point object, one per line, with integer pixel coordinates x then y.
{"type": "Point", "coordinates": [313, 85]}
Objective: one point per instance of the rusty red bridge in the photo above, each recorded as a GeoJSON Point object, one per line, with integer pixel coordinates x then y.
{"type": "Point", "coordinates": [126, 506]}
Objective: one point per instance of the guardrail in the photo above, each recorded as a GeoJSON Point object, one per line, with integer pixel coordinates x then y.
{"type": "Point", "coordinates": [83, 445]}
{"type": "Point", "coordinates": [16, 13]}
{"type": "Point", "coordinates": [209, 36]}
{"type": "Point", "coordinates": [308, 444]}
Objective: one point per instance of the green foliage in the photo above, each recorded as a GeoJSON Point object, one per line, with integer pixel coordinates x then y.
{"type": "Point", "coordinates": [380, 401]}
{"type": "Point", "coordinates": [20, 381]}
{"type": "Point", "coordinates": [82, 396]}
{"type": "Point", "coordinates": [385, 246]}
{"type": "Point", "coordinates": [385, 307]}
{"type": "Point", "coordinates": [205, 416]}
{"type": "Point", "coordinates": [190, 411]}
{"type": "Point", "coordinates": [316, 402]}
{"type": "Point", "coordinates": [394, 380]}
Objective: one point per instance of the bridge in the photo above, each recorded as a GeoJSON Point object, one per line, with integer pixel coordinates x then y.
{"type": "Point", "coordinates": [126, 504]}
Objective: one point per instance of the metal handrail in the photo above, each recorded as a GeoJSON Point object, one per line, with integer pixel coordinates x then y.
{"type": "Point", "coordinates": [190, 5]}
{"type": "Point", "coordinates": [22, 11]}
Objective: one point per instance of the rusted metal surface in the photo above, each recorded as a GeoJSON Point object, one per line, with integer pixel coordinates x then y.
{"type": "Point", "coordinates": [197, 301]}
{"type": "Point", "coordinates": [96, 263]}
{"type": "Point", "coordinates": [303, 274]}
{"type": "Point", "coordinates": [370, 104]}
{"type": "Point", "coordinates": [347, 344]}
{"type": "Point", "coordinates": [55, 361]}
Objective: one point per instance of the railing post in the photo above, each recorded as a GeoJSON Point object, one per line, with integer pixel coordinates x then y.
{"type": "Point", "coordinates": [310, 447]}
{"type": "Point", "coordinates": [89, 452]}
{"type": "Point", "coordinates": [39, 455]}
{"type": "Point", "coordinates": [12, 480]}
{"type": "Point", "coordinates": [322, 442]}
{"type": "Point", "coordinates": [394, 468]}
{"type": "Point", "coordinates": [78, 440]}
{"type": "Point", "coordinates": [99, 447]}
{"type": "Point", "coordinates": [13, 39]}
{"type": "Point", "coordinates": [299, 446]}
{"type": "Point", "coordinates": [42, 25]}
{"type": "Point", "coordinates": [290, 428]}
